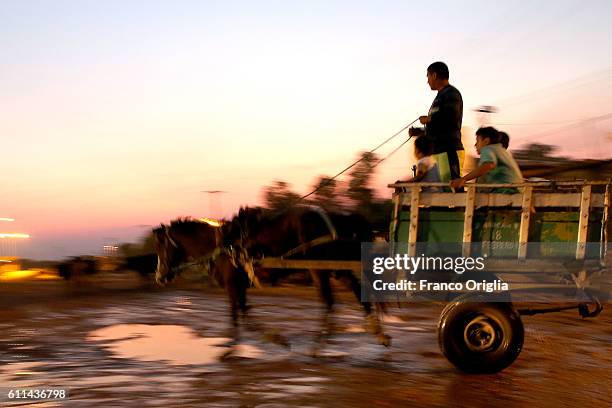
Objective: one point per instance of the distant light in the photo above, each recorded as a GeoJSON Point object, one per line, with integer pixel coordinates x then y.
{"type": "Point", "coordinates": [5, 260]}
{"type": "Point", "coordinates": [14, 235]}
{"type": "Point", "coordinates": [18, 275]}
{"type": "Point", "coordinates": [7, 219]}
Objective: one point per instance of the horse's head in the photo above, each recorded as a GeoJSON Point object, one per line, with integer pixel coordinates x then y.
{"type": "Point", "coordinates": [183, 240]}
{"type": "Point", "coordinates": [169, 255]}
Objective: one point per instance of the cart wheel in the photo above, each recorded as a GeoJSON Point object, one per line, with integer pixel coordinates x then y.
{"type": "Point", "coordinates": [479, 337]}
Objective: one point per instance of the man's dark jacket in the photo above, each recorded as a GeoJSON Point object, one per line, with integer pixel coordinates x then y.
{"type": "Point", "coordinates": [446, 114]}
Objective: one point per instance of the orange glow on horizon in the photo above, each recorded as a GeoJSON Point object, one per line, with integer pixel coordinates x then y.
{"type": "Point", "coordinates": [14, 235]}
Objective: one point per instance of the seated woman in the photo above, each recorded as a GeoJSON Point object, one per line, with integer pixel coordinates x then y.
{"type": "Point", "coordinates": [495, 166]}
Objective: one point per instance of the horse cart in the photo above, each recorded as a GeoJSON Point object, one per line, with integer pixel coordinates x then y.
{"type": "Point", "coordinates": [545, 238]}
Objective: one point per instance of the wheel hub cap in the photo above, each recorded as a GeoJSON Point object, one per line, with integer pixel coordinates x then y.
{"type": "Point", "coordinates": [479, 334]}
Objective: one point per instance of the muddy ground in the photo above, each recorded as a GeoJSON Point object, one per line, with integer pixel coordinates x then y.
{"type": "Point", "coordinates": [126, 343]}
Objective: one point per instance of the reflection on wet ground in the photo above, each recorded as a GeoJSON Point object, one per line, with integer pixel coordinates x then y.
{"type": "Point", "coordinates": [174, 344]}
{"type": "Point", "coordinates": [169, 349]}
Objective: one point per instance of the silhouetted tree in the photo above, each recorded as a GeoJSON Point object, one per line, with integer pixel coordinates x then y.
{"type": "Point", "coordinates": [279, 196]}
{"type": "Point", "coordinates": [145, 246]}
{"type": "Point", "coordinates": [360, 179]}
{"type": "Point", "coordinates": [128, 249]}
{"type": "Point", "coordinates": [327, 194]}
{"type": "Point", "coordinates": [535, 151]}
{"type": "Point", "coordinates": [148, 243]}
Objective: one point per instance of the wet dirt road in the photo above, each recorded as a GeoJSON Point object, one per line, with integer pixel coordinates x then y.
{"type": "Point", "coordinates": [165, 348]}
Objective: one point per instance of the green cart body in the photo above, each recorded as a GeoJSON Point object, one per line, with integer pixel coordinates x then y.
{"type": "Point", "coordinates": [569, 215]}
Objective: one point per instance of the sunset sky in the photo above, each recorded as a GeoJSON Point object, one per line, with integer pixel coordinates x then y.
{"type": "Point", "coordinates": [116, 115]}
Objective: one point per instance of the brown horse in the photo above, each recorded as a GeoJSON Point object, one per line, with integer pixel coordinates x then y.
{"type": "Point", "coordinates": [308, 232]}
{"type": "Point", "coordinates": [187, 241]}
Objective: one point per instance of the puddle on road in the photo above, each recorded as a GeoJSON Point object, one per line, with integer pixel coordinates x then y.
{"type": "Point", "coordinates": [178, 345]}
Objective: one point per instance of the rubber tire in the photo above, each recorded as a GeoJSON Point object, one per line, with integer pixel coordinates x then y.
{"type": "Point", "coordinates": [508, 341]}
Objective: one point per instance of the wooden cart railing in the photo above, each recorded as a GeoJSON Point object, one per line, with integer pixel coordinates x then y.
{"type": "Point", "coordinates": [530, 195]}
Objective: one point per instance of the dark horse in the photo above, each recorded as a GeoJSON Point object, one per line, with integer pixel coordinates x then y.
{"type": "Point", "coordinates": [76, 267]}
{"type": "Point", "coordinates": [308, 232]}
{"type": "Point", "coordinates": [187, 240]}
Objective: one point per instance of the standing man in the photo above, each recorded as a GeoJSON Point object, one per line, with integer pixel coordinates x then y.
{"type": "Point", "coordinates": [443, 123]}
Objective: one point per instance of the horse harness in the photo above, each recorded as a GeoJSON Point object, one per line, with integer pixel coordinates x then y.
{"type": "Point", "coordinates": [237, 255]}
{"type": "Point", "coordinates": [303, 247]}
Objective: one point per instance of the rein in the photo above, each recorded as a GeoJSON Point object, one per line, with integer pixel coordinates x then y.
{"type": "Point", "coordinates": [167, 232]}
{"type": "Point", "coordinates": [310, 244]}
{"type": "Point", "coordinates": [332, 236]}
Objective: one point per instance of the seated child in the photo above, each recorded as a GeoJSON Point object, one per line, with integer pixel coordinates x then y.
{"type": "Point", "coordinates": [496, 164]}
{"type": "Point", "coordinates": [426, 167]}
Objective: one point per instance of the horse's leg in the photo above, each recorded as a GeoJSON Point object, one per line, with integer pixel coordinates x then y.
{"type": "Point", "coordinates": [225, 274]}
{"type": "Point", "coordinates": [322, 282]}
{"type": "Point", "coordinates": [328, 298]}
{"type": "Point", "coordinates": [373, 324]}
{"type": "Point", "coordinates": [233, 300]}
{"type": "Point", "coordinates": [235, 330]}
{"type": "Point", "coordinates": [221, 271]}
{"type": "Point", "coordinates": [242, 284]}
